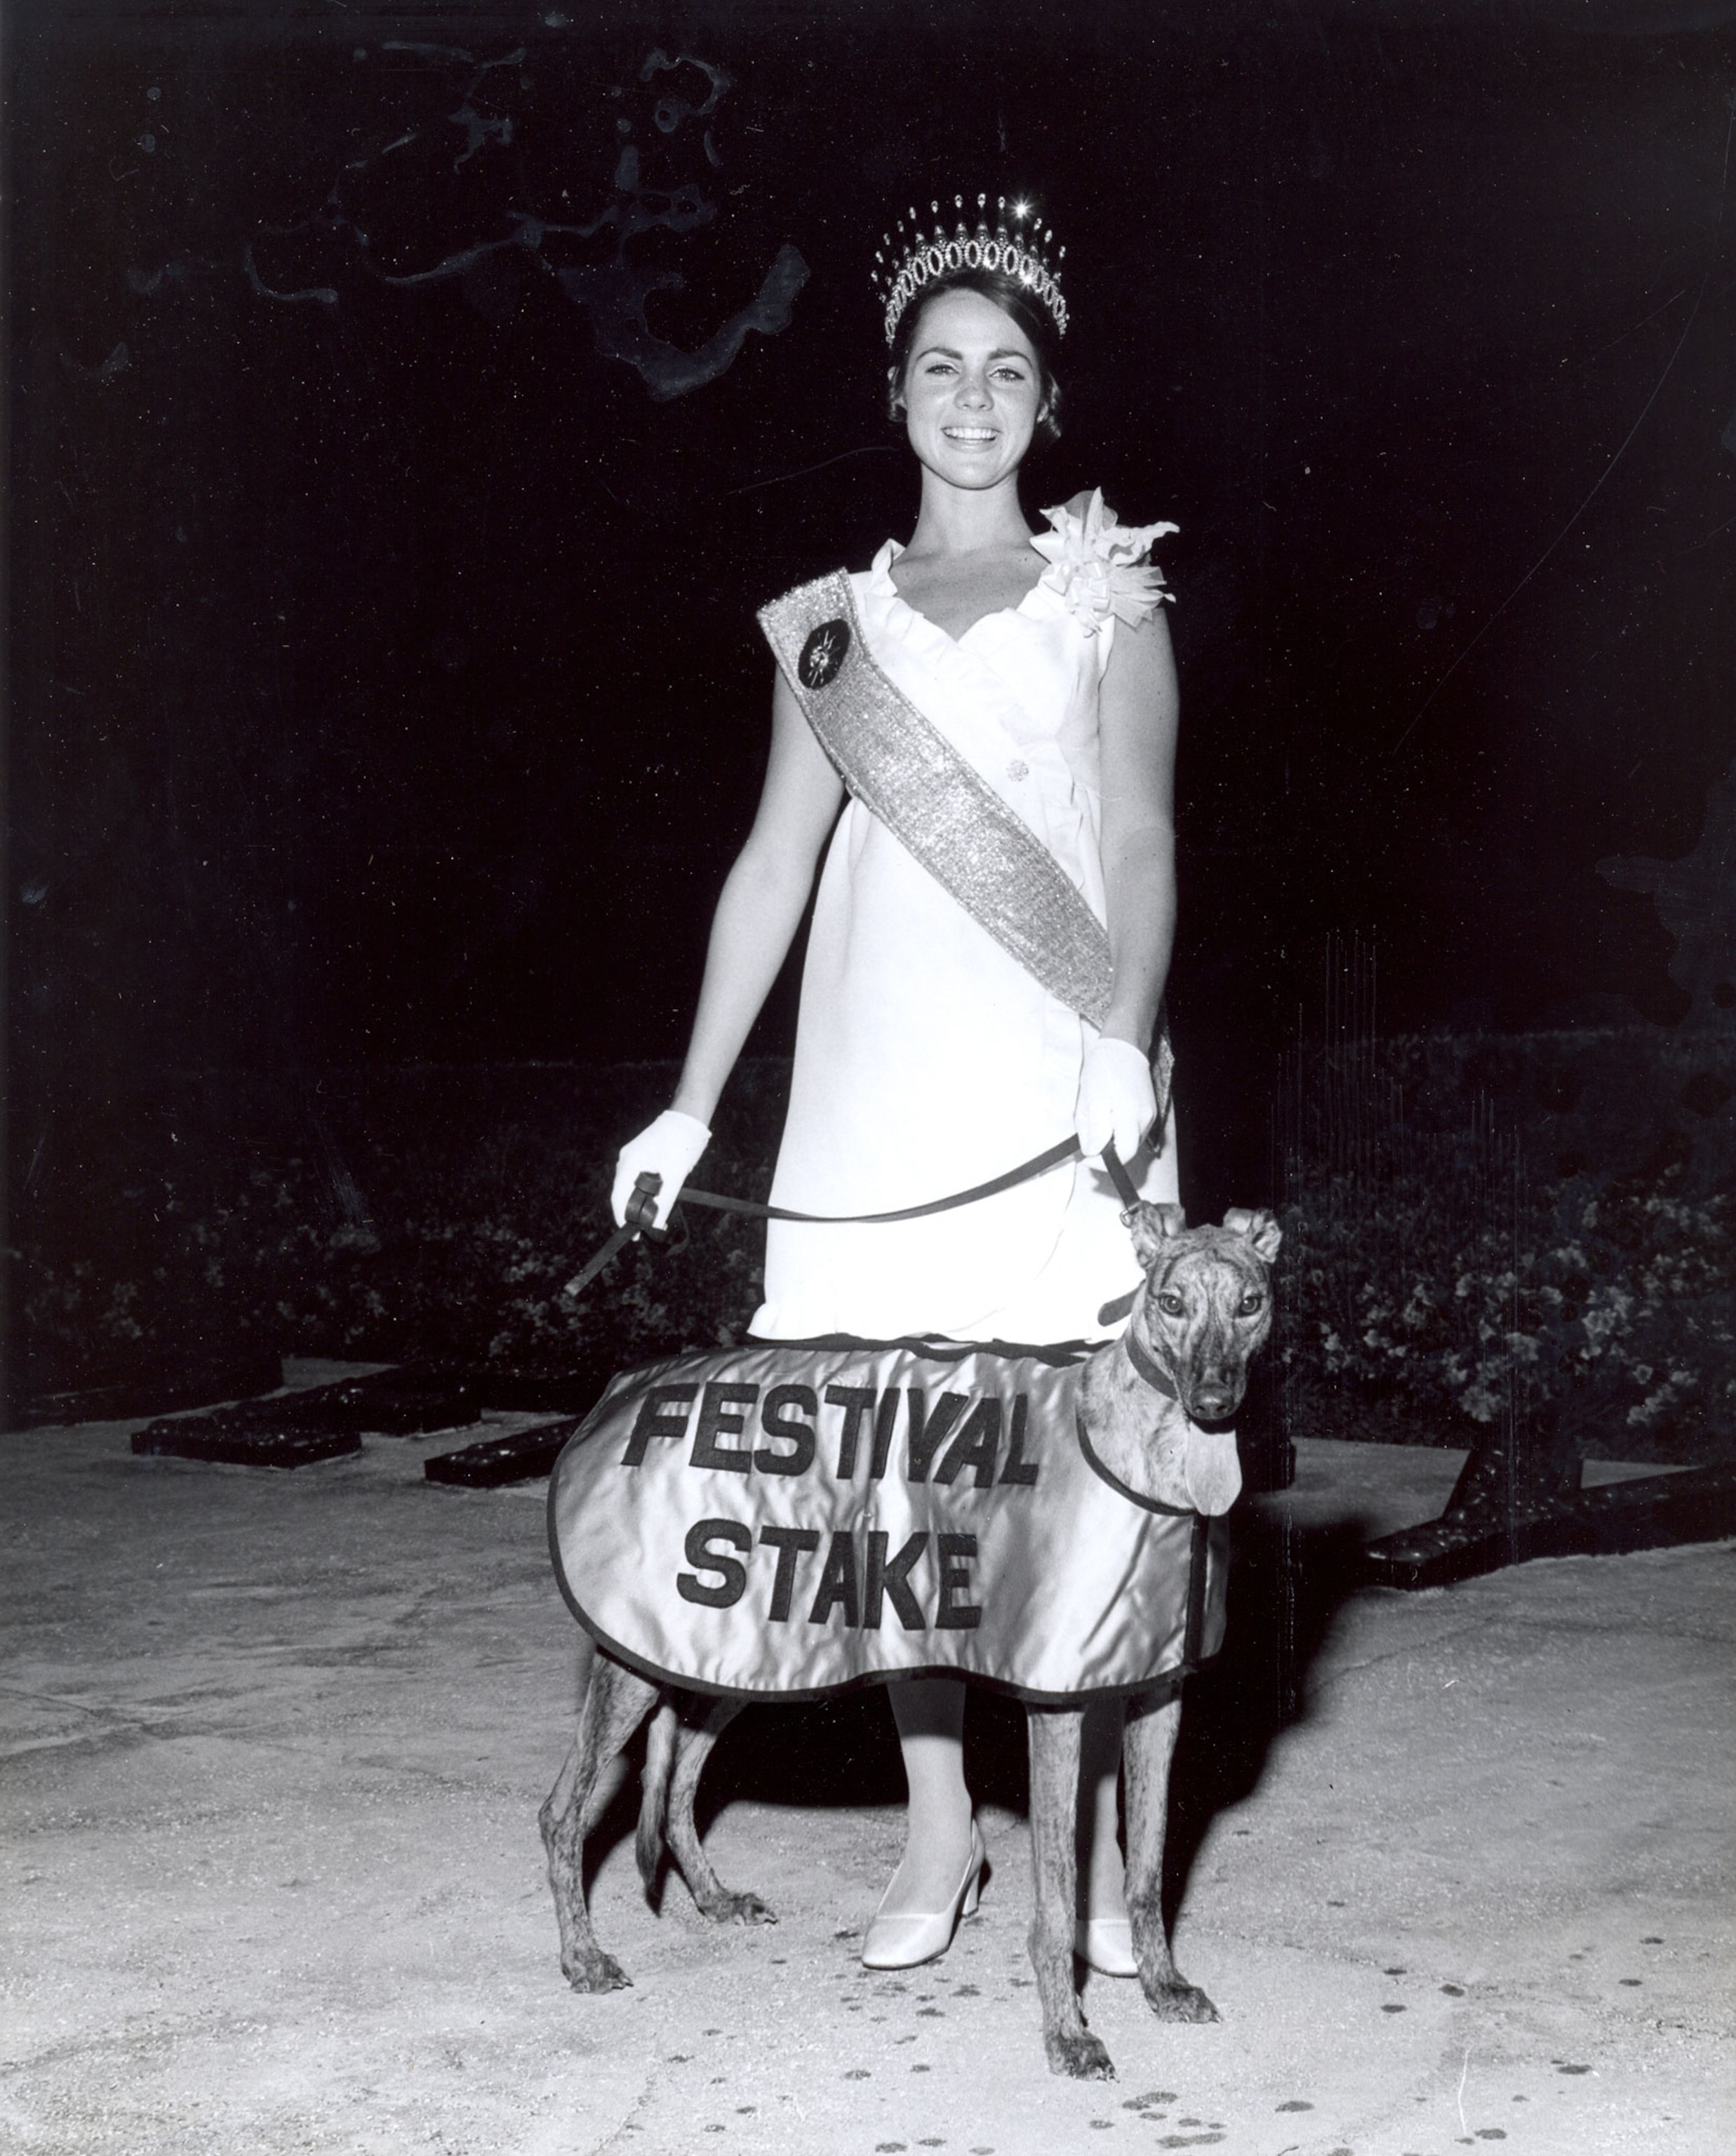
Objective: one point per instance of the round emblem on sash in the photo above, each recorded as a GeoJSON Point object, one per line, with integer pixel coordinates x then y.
{"type": "Point", "coordinates": [823, 654]}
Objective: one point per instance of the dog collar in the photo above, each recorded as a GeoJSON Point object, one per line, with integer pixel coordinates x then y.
{"type": "Point", "coordinates": [1154, 1375]}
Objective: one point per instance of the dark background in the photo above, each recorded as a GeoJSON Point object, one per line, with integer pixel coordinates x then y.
{"type": "Point", "coordinates": [384, 682]}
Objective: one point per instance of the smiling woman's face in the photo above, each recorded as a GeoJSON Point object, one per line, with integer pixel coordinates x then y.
{"type": "Point", "coordinates": [972, 390]}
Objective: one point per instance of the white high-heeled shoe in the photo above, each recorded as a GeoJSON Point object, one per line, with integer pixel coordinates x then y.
{"type": "Point", "coordinates": [902, 1941]}
{"type": "Point", "coordinates": [1106, 1944]}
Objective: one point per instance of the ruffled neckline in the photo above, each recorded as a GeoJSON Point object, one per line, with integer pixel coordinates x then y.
{"type": "Point", "coordinates": [903, 615]}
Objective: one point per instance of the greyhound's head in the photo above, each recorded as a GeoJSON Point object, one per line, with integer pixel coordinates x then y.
{"type": "Point", "coordinates": [1205, 1309]}
{"type": "Point", "coordinates": [1206, 1305]}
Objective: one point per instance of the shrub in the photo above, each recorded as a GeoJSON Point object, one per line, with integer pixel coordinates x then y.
{"type": "Point", "coordinates": [418, 1214]}
{"type": "Point", "coordinates": [1433, 1286]}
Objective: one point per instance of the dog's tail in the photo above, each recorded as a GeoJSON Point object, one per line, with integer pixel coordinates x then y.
{"type": "Point", "coordinates": [654, 1794]}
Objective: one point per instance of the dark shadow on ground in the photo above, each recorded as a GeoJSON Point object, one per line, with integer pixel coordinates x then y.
{"type": "Point", "coordinates": [1286, 1588]}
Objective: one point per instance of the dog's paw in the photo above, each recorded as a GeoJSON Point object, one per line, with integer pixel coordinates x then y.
{"type": "Point", "coordinates": [1178, 2001]}
{"type": "Point", "coordinates": [725, 1907]}
{"type": "Point", "coordinates": [595, 1971]}
{"type": "Point", "coordinates": [1077, 2052]}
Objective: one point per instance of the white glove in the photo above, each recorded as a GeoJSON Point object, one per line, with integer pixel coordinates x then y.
{"type": "Point", "coordinates": [1118, 1102]}
{"type": "Point", "coordinates": [668, 1147]}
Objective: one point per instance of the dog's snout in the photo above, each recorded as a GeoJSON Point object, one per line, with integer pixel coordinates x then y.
{"type": "Point", "coordinates": [1216, 1396]}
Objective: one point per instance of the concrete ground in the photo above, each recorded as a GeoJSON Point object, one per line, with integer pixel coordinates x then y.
{"type": "Point", "coordinates": [274, 1746]}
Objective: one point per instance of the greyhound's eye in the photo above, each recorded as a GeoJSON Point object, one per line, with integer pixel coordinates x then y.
{"type": "Point", "coordinates": [1170, 1303]}
{"type": "Point", "coordinates": [1252, 1303]}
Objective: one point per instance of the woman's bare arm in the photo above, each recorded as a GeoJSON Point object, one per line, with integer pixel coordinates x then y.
{"type": "Point", "coordinates": [1138, 715]}
{"type": "Point", "coordinates": [762, 903]}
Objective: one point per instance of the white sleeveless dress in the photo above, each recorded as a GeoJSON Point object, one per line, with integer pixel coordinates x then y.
{"type": "Point", "coordinates": [927, 1058]}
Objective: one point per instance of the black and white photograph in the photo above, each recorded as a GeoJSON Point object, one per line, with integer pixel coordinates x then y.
{"type": "Point", "coordinates": [870, 968]}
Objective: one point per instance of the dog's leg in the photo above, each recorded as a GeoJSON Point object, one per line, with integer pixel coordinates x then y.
{"type": "Point", "coordinates": [660, 1736]}
{"type": "Point", "coordinates": [1148, 1747]}
{"type": "Point", "coordinates": [1071, 2046]}
{"type": "Point", "coordinates": [615, 1702]}
{"type": "Point", "coordinates": [711, 1897]}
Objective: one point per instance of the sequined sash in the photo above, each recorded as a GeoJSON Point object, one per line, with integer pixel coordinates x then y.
{"type": "Point", "coordinates": [902, 768]}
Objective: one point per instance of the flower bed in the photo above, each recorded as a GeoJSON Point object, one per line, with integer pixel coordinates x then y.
{"type": "Point", "coordinates": [1454, 1262]}
{"type": "Point", "coordinates": [387, 1215]}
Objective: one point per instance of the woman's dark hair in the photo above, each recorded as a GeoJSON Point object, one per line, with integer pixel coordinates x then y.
{"type": "Point", "coordinates": [1014, 300]}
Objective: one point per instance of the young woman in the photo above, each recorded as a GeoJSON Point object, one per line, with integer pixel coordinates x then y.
{"type": "Point", "coordinates": [928, 1058]}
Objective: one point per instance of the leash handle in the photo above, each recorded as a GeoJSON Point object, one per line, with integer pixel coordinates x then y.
{"type": "Point", "coordinates": [641, 1212]}
{"type": "Point", "coordinates": [642, 1206]}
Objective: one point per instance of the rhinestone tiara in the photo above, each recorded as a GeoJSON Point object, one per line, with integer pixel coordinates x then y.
{"type": "Point", "coordinates": [909, 258]}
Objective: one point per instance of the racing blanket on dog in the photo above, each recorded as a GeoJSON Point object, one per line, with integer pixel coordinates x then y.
{"type": "Point", "coordinates": [793, 1518]}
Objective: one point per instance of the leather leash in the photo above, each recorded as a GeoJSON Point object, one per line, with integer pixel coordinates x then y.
{"type": "Point", "coordinates": [646, 1185]}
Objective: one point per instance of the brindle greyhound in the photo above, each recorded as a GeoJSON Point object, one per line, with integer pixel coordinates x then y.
{"type": "Point", "coordinates": [1181, 1363]}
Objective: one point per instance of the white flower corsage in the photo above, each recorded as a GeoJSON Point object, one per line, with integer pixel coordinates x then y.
{"type": "Point", "coordinates": [1097, 566]}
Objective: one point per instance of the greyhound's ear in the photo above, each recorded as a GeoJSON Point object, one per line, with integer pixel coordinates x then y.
{"type": "Point", "coordinates": [1260, 1228]}
{"type": "Point", "coordinates": [1151, 1227]}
